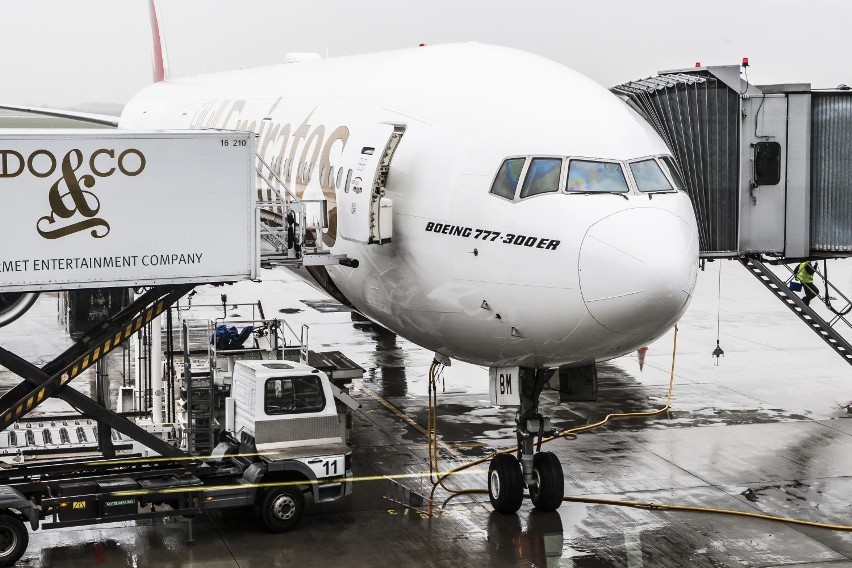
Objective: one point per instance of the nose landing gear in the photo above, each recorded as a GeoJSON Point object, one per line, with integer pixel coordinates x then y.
{"type": "Point", "coordinates": [540, 472]}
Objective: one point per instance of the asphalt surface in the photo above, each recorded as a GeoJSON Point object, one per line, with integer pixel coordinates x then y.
{"type": "Point", "coordinates": [766, 431]}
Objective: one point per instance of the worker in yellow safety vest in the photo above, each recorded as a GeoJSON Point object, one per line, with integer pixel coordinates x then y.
{"type": "Point", "coordinates": [805, 275]}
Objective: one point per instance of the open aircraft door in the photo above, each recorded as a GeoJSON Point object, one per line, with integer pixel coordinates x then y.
{"type": "Point", "coordinates": [364, 214]}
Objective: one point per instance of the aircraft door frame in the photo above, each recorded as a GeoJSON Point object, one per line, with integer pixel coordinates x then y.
{"type": "Point", "coordinates": [360, 201]}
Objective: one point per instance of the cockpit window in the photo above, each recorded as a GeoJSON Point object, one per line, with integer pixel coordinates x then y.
{"type": "Point", "coordinates": [674, 173]}
{"type": "Point", "coordinates": [588, 176]}
{"type": "Point", "coordinates": [649, 176]}
{"type": "Point", "coordinates": [507, 178]}
{"type": "Point", "coordinates": [542, 176]}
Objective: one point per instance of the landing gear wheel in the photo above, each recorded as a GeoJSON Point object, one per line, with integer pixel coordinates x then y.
{"type": "Point", "coordinates": [505, 484]}
{"type": "Point", "coordinates": [282, 508]}
{"type": "Point", "coordinates": [547, 494]}
{"type": "Point", "coordinates": [14, 539]}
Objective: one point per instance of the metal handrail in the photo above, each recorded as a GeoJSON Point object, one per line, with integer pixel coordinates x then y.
{"type": "Point", "coordinates": [829, 289]}
{"type": "Point", "coordinates": [300, 339]}
{"type": "Point", "coordinates": [844, 311]}
{"type": "Point", "coordinates": [277, 178]}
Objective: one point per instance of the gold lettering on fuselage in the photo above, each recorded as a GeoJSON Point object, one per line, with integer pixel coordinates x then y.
{"type": "Point", "coordinates": [280, 144]}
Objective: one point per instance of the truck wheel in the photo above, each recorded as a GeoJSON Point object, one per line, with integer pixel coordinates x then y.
{"type": "Point", "coordinates": [505, 484]}
{"type": "Point", "coordinates": [14, 539]}
{"type": "Point", "coordinates": [282, 508]}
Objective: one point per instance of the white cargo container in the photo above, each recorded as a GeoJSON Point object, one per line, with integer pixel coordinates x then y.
{"type": "Point", "coordinates": [90, 208]}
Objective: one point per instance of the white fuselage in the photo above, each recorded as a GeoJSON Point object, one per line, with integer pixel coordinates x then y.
{"type": "Point", "coordinates": [570, 278]}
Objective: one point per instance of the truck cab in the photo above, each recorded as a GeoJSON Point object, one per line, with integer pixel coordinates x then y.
{"type": "Point", "coordinates": [282, 405]}
{"type": "Point", "coordinates": [284, 418]}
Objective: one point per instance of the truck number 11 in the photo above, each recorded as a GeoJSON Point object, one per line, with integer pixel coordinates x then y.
{"type": "Point", "coordinates": [330, 467]}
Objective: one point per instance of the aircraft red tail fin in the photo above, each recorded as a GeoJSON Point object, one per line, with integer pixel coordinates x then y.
{"type": "Point", "coordinates": [161, 61]}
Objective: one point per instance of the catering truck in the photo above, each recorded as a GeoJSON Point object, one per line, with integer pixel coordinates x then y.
{"type": "Point", "coordinates": [160, 212]}
{"type": "Point", "coordinates": [94, 208]}
{"type": "Point", "coordinates": [284, 439]}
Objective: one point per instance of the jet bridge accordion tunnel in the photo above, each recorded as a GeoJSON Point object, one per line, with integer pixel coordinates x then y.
{"type": "Point", "coordinates": [768, 168]}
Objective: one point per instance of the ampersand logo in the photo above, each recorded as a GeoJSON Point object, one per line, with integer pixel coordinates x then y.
{"type": "Point", "coordinates": [73, 207]}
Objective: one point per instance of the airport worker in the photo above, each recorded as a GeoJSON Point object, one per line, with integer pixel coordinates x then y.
{"type": "Point", "coordinates": [805, 275]}
{"type": "Point", "coordinates": [227, 337]}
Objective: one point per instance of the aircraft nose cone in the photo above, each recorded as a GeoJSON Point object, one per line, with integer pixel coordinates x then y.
{"type": "Point", "coordinates": [638, 269]}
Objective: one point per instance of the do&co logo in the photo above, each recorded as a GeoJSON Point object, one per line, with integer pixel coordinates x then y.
{"type": "Point", "coordinates": [73, 207]}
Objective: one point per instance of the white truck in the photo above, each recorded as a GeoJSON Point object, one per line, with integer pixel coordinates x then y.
{"type": "Point", "coordinates": [285, 413]}
{"type": "Point", "coordinates": [284, 439]}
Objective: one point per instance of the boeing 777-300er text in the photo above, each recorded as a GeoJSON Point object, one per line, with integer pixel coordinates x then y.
{"type": "Point", "coordinates": [537, 220]}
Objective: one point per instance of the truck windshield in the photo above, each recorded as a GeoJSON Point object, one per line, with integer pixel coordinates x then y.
{"type": "Point", "coordinates": [293, 395]}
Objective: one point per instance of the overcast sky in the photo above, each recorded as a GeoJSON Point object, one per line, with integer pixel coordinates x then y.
{"type": "Point", "coordinates": [63, 53]}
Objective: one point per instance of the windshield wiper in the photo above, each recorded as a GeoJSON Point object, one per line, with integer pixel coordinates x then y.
{"type": "Point", "coordinates": [621, 193]}
{"type": "Point", "coordinates": [651, 194]}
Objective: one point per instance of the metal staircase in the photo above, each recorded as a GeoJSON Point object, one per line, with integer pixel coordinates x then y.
{"type": "Point", "coordinates": [290, 228]}
{"type": "Point", "coordinates": [199, 426]}
{"type": "Point", "coordinates": [825, 329]}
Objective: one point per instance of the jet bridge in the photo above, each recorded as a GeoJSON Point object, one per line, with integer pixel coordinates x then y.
{"type": "Point", "coordinates": [768, 167]}
{"type": "Point", "coordinates": [769, 171]}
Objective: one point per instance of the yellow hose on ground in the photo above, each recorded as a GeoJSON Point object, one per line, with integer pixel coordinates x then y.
{"type": "Point", "coordinates": [438, 478]}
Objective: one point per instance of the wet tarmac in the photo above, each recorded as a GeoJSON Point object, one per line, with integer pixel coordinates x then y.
{"type": "Point", "coordinates": [765, 431]}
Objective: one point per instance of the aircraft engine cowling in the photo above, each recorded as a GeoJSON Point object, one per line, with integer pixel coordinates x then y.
{"type": "Point", "coordinates": [15, 304]}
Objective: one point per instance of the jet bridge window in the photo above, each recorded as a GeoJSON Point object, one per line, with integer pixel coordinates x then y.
{"type": "Point", "coordinates": [507, 178]}
{"type": "Point", "coordinates": [293, 395]}
{"type": "Point", "coordinates": [649, 176]}
{"type": "Point", "coordinates": [586, 176]}
{"type": "Point", "coordinates": [542, 177]}
{"type": "Point", "coordinates": [674, 174]}
{"type": "Point", "coordinates": [767, 163]}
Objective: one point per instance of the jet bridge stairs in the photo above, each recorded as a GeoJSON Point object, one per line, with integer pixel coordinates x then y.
{"type": "Point", "coordinates": [825, 329]}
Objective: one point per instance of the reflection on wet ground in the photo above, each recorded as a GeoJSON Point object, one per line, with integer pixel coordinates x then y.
{"type": "Point", "coordinates": [763, 432]}
{"type": "Point", "coordinates": [386, 368]}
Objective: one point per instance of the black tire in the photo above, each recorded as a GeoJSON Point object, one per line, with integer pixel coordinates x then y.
{"type": "Point", "coordinates": [505, 484]}
{"type": "Point", "coordinates": [14, 539]}
{"type": "Point", "coordinates": [282, 508]}
{"type": "Point", "coordinates": [547, 494]}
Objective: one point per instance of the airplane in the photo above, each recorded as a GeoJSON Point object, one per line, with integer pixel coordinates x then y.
{"type": "Point", "coordinates": [537, 221]}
